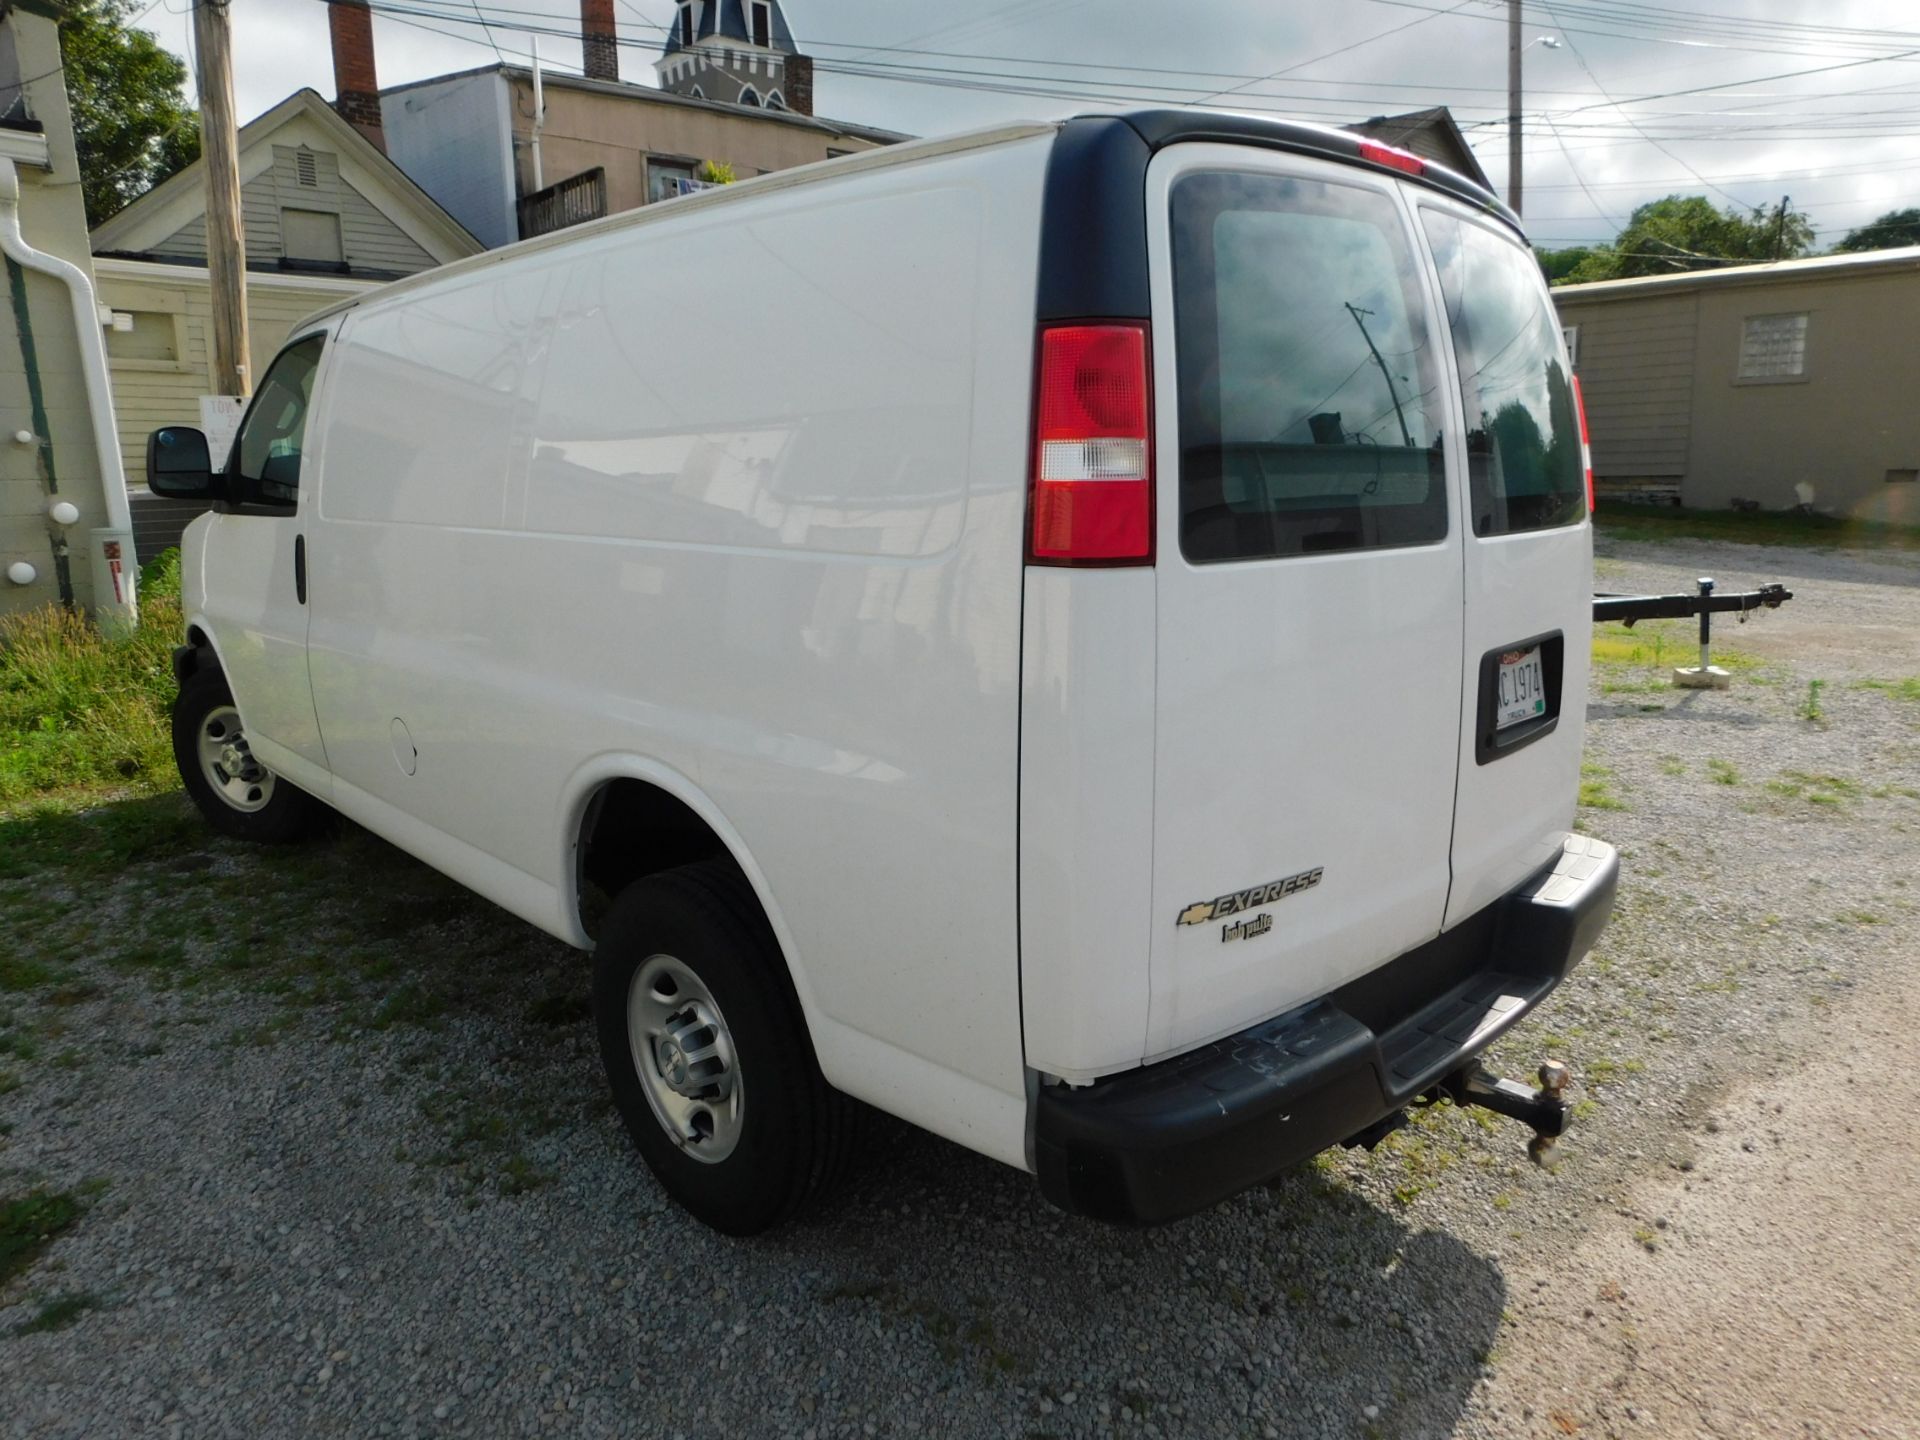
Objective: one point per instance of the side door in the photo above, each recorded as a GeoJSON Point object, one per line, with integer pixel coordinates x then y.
{"type": "Point", "coordinates": [1309, 586]}
{"type": "Point", "coordinates": [256, 565]}
{"type": "Point", "coordinates": [1529, 558]}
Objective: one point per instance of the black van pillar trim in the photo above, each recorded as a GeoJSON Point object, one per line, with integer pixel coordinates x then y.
{"type": "Point", "coordinates": [1093, 230]}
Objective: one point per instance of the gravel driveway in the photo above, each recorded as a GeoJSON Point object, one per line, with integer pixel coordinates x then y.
{"type": "Point", "coordinates": [330, 1154]}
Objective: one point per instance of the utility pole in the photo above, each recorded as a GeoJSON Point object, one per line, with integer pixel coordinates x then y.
{"type": "Point", "coordinates": [226, 244]}
{"type": "Point", "coordinates": [1514, 47]}
{"type": "Point", "coordinates": [1360, 319]}
{"type": "Point", "coordinates": [1780, 228]}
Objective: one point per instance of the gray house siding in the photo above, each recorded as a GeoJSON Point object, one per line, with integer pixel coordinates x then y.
{"type": "Point", "coordinates": [369, 241]}
{"type": "Point", "coordinates": [1834, 427]}
{"type": "Point", "coordinates": [1636, 372]}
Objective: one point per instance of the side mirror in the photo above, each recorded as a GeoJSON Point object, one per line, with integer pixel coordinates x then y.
{"type": "Point", "coordinates": [178, 465]}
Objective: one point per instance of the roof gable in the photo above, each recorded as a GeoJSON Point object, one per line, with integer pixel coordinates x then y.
{"type": "Point", "coordinates": [306, 120]}
{"type": "Point", "coordinates": [1431, 134]}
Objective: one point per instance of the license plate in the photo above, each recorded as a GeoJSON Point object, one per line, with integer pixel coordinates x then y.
{"type": "Point", "coordinates": [1523, 690]}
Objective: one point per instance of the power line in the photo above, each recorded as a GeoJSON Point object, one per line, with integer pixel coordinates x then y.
{"type": "Point", "coordinates": [1655, 143]}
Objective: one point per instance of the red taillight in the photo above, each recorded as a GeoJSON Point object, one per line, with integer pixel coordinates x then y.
{"type": "Point", "coordinates": [1093, 448]}
{"type": "Point", "coordinates": [1393, 159]}
{"type": "Point", "coordinates": [1586, 446]}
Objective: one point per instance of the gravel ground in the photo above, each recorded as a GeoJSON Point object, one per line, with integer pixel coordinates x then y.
{"type": "Point", "coordinates": [337, 1136]}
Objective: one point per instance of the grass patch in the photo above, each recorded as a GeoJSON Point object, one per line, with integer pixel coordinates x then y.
{"type": "Point", "coordinates": [1828, 790]}
{"type": "Point", "coordinates": [80, 707]}
{"type": "Point", "coordinates": [1906, 689]}
{"type": "Point", "coordinates": [1765, 527]}
{"type": "Point", "coordinates": [58, 1313]}
{"type": "Point", "coordinates": [1722, 772]}
{"type": "Point", "coordinates": [29, 1224]}
{"type": "Point", "coordinates": [1596, 788]}
{"type": "Point", "coordinates": [1810, 708]}
{"type": "Point", "coordinates": [1639, 660]}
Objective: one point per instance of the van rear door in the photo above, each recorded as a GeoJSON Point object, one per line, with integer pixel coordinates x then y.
{"type": "Point", "coordinates": [1309, 585]}
{"type": "Point", "coordinates": [1529, 558]}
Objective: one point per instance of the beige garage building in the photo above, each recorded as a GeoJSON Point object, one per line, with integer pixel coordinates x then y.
{"type": "Point", "coordinates": [1784, 384]}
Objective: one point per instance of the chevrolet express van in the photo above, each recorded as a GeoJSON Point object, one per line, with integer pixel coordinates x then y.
{"type": "Point", "coordinates": [1074, 635]}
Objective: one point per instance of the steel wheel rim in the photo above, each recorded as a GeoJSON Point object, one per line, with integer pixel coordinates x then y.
{"type": "Point", "coordinates": [683, 1053]}
{"type": "Point", "coordinates": [227, 763]}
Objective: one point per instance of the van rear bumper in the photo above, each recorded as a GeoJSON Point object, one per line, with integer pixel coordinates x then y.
{"type": "Point", "coordinates": [1166, 1140]}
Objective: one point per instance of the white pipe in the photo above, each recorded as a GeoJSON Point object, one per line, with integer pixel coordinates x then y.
{"type": "Point", "coordinates": [539, 116]}
{"type": "Point", "coordinates": [93, 351]}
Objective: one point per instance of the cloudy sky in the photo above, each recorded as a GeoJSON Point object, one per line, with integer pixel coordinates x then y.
{"type": "Point", "coordinates": [1743, 100]}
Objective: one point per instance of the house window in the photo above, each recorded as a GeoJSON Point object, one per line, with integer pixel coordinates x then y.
{"type": "Point", "coordinates": [668, 178]}
{"type": "Point", "coordinates": [750, 96]}
{"type": "Point", "coordinates": [1774, 347]}
{"type": "Point", "coordinates": [149, 337]}
{"type": "Point", "coordinates": [312, 236]}
{"type": "Point", "coordinates": [762, 24]}
{"type": "Point", "coordinates": [776, 101]}
{"type": "Point", "coordinates": [1571, 335]}
{"type": "Point", "coordinates": [686, 22]}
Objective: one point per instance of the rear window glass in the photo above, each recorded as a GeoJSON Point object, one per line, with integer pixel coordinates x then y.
{"type": "Point", "coordinates": [1523, 441]}
{"type": "Point", "coordinates": [1310, 399]}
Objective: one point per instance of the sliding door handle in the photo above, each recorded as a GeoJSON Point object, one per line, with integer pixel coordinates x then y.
{"type": "Point", "coordinates": [300, 568]}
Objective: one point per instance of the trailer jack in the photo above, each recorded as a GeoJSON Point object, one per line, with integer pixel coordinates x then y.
{"type": "Point", "coordinates": [1545, 1110]}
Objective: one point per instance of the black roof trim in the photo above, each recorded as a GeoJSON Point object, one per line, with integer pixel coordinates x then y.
{"type": "Point", "coordinates": [1093, 234]}
{"type": "Point", "coordinates": [1160, 128]}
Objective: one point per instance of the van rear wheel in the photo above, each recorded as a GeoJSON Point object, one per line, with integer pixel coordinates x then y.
{"type": "Point", "coordinates": [236, 793]}
{"type": "Point", "coordinates": [707, 1053]}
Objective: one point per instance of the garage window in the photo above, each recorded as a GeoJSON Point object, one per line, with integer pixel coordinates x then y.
{"type": "Point", "coordinates": [1774, 347]}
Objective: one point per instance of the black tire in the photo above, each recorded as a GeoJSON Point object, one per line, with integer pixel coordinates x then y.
{"type": "Point", "coordinates": [794, 1132]}
{"type": "Point", "coordinates": [261, 807]}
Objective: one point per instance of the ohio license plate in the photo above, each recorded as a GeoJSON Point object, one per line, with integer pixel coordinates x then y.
{"type": "Point", "coordinates": [1523, 691]}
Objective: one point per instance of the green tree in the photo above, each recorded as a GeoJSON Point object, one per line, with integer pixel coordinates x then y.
{"type": "Point", "coordinates": [1895, 228]}
{"type": "Point", "coordinates": [132, 121]}
{"type": "Point", "coordinates": [1556, 265]}
{"type": "Point", "coordinates": [1688, 232]}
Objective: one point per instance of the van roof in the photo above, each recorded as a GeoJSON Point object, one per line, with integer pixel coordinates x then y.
{"type": "Point", "coordinates": [1152, 130]}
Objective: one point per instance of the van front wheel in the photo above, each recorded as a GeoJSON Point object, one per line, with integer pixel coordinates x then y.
{"type": "Point", "coordinates": [707, 1054]}
{"type": "Point", "coordinates": [236, 793]}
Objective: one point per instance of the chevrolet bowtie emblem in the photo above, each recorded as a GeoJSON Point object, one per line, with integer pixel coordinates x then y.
{"type": "Point", "coordinates": [1218, 908]}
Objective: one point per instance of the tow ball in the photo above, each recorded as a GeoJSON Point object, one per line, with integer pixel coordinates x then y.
{"type": "Point", "coordinates": [1545, 1110]}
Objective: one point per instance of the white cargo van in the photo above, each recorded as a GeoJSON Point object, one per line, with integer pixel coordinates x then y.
{"type": "Point", "coordinates": [1074, 635]}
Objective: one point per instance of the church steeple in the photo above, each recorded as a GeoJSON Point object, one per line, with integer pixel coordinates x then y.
{"type": "Point", "coordinates": [739, 52]}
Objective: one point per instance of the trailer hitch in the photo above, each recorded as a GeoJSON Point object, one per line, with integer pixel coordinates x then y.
{"type": "Point", "coordinates": [1545, 1110]}
{"type": "Point", "coordinates": [1626, 609]}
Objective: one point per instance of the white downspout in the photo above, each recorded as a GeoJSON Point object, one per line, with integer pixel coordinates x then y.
{"type": "Point", "coordinates": [539, 117]}
{"type": "Point", "coordinates": [93, 368]}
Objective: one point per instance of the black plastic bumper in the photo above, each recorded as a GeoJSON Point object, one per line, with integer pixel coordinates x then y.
{"type": "Point", "coordinates": [1166, 1140]}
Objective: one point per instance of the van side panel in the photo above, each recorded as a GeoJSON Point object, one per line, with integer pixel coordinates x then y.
{"type": "Point", "coordinates": [1086, 818]}
{"type": "Point", "coordinates": [759, 520]}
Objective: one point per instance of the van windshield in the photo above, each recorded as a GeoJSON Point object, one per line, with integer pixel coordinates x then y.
{"type": "Point", "coordinates": [1523, 441]}
{"type": "Point", "coordinates": [1310, 394]}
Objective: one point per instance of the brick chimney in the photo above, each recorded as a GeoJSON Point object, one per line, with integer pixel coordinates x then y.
{"type": "Point", "coordinates": [356, 92]}
{"type": "Point", "coordinates": [600, 50]}
{"type": "Point", "coordinates": [798, 84]}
